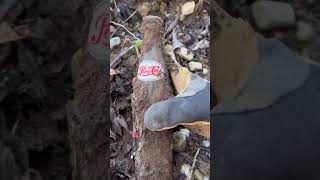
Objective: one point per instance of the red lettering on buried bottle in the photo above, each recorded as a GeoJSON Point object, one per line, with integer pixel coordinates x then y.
{"type": "Point", "coordinates": [102, 30]}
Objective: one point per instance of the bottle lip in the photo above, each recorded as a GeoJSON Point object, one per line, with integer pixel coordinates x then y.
{"type": "Point", "coordinates": [150, 17]}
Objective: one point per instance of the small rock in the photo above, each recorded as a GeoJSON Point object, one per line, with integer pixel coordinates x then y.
{"type": "Point", "coordinates": [115, 41]}
{"type": "Point", "coordinates": [112, 29]}
{"type": "Point", "coordinates": [163, 8]}
{"type": "Point", "coordinates": [305, 32]}
{"type": "Point", "coordinates": [179, 141]}
{"type": "Point", "coordinates": [185, 131]}
{"type": "Point", "coordinates": [186, 169]}
{"type": "Point", "coordinates": [204, 33]}
{"type": "Point", "coordinates": [200, 37]}
{"type": "Point", "coordinates": [203, 44]}
{"type": "Point", "coordinates": [144, 9]}
{"type": "Point", "coordinates": [186, 54]}
{"type": "Point", "coordinates": [205, 71]}
{"type": "Point", "coordinates": [195, 66]}
{"type": "Point", "coordinates": [188, 8]}
{"type": "Point", "coordinates": [188, 39]}
{"type": "Point", "coordinates": [205, 143]}
{"type": "Point", "coordinates": [198, 175]}
{"type": "Point", "coordinates": [206, 178]}
{"type": "Point", "coordinates": [182, 17]}
{"type": "Point", "coordinates": [269, 15]}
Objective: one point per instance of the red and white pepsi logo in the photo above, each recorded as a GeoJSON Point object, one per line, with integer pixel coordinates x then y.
{"type": "Point", "coordinates": [150, 71]}
{"type": "Point", "coordinates": [98, 33]}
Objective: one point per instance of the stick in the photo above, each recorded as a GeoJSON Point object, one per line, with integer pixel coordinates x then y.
{"type": "Point", "coordinates": [173, 24]}
{"type": "Point", "coordinates": [125, 29]}
{"type": "Point", "coordinates": [124, 22]}
{"type": "Point", "coordinates": [193, 164]}
{"type": "Point", "coordinates": [121, 54]}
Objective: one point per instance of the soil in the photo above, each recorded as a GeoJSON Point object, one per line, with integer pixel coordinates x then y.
{"type": "Point", "coordinates": [35, 85]}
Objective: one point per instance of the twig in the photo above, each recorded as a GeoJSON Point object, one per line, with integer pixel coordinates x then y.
{"type": "Point", "coordinates": [124, 22]}
{"type": "Point", "coordinates": [188, 156]}
{"type": "Point", "coordinates": [193, 164]}
{"type": "Point", "coordinates": [137, 51]}
{"type": "Point", "coordinates": [122, 53]}
{"type": "Point", "coordinates": [173, 24]}
{"type": "Point", "coordinates": [125, 29]}
{"type": "Point", "coordinates": [115, 4]}
{"type": "Point", "coordinates": [15, 126]}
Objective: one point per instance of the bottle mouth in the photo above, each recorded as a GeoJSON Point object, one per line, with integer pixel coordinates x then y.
{"type": "Point", "coordinates": [150, 17]}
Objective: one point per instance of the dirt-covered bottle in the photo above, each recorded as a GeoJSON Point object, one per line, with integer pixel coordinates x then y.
{"type": "Point", "coordinates": [152, 69]}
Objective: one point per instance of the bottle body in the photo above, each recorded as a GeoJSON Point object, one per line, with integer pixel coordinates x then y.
{"type": "Point", "coordinates": [152, 71]}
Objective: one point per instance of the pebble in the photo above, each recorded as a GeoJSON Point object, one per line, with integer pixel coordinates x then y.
{"type": "Point", "coordinates": [195, 66]}
{"type": "Point", "coordinates": [204, 33]}
{"type": "Point", "coordinates": [185, 54]}
{"type": "Point", "coordinates": [188, 8]}
{"type": "Point", "coordinates": [198, 175]}
{"type": "Point", "coordinates": [112, 29]}
{"type": "Point", "coordinates": [179, 141]}
{"type": "Point", "coordinates": [205, 143]}
{"type": "Point", "coordinates": [186, 169]}
{"type": "Point", "coordinates": [305, 32]}
{"type": "Point", "coordinates": [144, 9]}
{"type": "Point", "coordinates": [182, 17]}
{"type": "Point", "coordinates": [205, 71]}
{"type": "Point", "coordinates": [185, 131]}
{"type": "Point", "coordinates": [163, 7]}
{"type": "Point", "coordinates": [115, 41]}
{"type": "Point", "coordinates": [269, 15]}
{"type": "Point", "coordinates": [203, 44]}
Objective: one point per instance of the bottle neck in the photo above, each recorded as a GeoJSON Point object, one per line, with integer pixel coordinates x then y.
{"type": "Point", "coordinates": [152, 33]}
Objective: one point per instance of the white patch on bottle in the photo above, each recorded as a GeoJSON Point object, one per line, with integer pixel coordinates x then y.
{"type": "Point", "coordinates": [99, 31]}
{"type": "Point", "coordinates": [150, 70]}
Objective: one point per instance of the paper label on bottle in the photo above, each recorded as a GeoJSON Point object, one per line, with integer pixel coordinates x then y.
{"type": "Point", "coordinates": [99, 31]}
{"type": "Point", "coordinates": [150, 70]}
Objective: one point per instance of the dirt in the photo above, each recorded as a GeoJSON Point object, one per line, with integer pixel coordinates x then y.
{"type": "Point", "coordinates": [35, 85]}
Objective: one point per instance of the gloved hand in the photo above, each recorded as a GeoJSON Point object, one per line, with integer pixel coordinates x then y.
{"type": "Point", "coordinates": [190, 107]}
